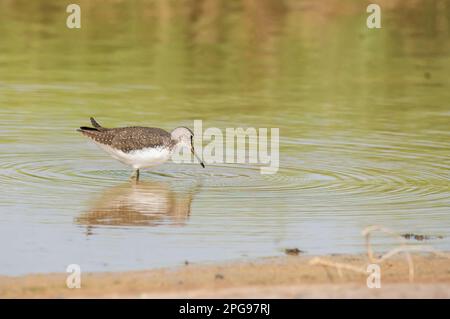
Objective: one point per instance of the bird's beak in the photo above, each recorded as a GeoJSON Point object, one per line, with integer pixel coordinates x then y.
{"type": "Point", "coordinates": [197, 157]}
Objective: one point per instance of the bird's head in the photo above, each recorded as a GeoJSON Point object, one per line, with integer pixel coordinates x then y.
{"type": "Point", "coordinates": [184, 137]}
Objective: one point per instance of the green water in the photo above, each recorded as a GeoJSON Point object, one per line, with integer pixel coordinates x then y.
{"type": "Point", "coordinates": [364, 118]}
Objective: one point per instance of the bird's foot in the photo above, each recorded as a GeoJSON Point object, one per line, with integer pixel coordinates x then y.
{"type": "Point", "coordinates": [135, 176]}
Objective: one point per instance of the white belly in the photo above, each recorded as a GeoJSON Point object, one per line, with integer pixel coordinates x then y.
{"type": "Point", "coordinates": [143, 158]}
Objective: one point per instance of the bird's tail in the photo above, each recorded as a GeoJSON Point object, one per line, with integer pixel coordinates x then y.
{"type": "Point", "coordinates": [96, 127]}
{"type": "Point", "coordinates": [95, 123]}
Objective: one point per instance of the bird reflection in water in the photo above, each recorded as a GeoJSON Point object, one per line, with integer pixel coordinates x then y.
{"type": "Point", "coordinates": [139, 204]}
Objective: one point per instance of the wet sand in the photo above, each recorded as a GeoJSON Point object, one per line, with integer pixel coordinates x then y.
{"type": "Point", "coordinates": [284, 277]}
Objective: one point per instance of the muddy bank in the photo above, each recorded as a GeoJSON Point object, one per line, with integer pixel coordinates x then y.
{"type": "Point", "coordinates": [285, 277]}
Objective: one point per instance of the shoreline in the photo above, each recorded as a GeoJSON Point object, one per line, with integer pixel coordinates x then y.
{"type": "Point", "coordinates": [277, 277]}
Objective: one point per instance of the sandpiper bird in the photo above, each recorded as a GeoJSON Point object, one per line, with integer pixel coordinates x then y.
{"type": "Point", "coordinates": [140, 147]}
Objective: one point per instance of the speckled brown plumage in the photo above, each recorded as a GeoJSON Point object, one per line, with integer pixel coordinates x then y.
{"type": "Point", "coordinates": [128, 139]}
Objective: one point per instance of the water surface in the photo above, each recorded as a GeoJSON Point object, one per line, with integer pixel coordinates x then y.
{"type": "Point", "coordinates": [363, 115]}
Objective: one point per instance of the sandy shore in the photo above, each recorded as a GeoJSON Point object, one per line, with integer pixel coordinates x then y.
{"type": "Point", "coordinates": [286, 277]}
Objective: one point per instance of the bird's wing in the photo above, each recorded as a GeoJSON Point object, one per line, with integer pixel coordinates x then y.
{"type": "Point", "coordinates": [105, 136]}
{"type": "Point", "coordinates": [136, 138]}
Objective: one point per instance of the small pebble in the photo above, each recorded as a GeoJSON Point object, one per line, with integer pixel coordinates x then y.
{"type": "Point", "coordinates": [293, 251]}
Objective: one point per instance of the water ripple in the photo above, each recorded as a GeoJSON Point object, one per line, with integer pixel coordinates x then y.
{"type": "Point", "coordinates": [326, 174]}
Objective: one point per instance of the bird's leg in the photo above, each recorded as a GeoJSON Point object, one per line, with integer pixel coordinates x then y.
{"type": "Point", "coordinates": [135, 175]}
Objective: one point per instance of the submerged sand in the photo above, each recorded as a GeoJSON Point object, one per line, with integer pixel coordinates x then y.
{"type": "Point", "coordinates": [285, 277]}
